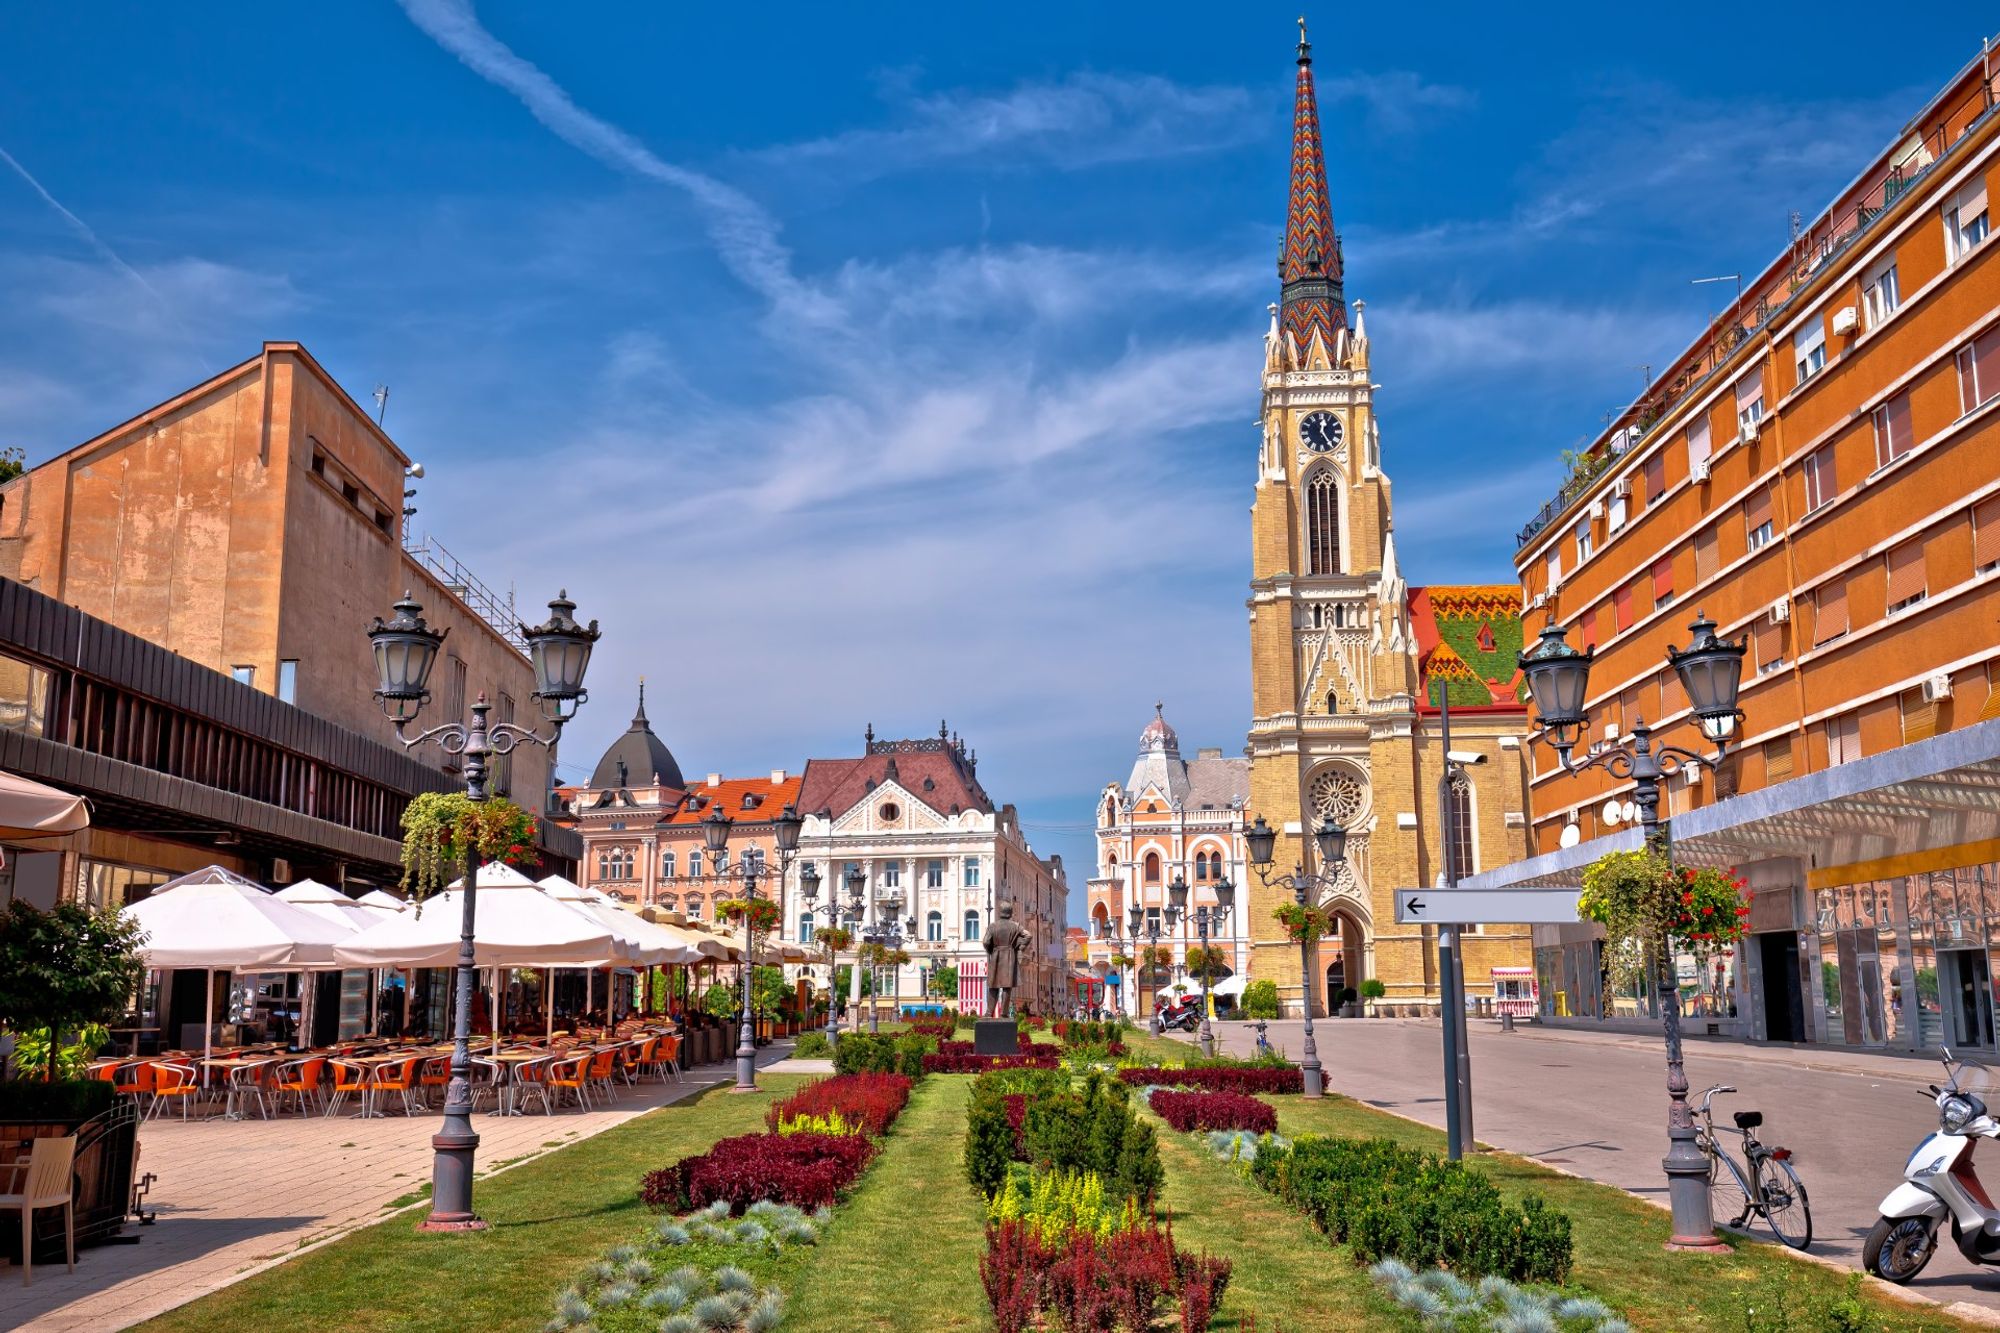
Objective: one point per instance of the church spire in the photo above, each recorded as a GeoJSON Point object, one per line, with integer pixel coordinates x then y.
{"type": "Point", "coordinates": [1309, 265]}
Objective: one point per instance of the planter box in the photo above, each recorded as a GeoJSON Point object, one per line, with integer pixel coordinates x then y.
{"type": "Point", "coordinates": [107, 1157]}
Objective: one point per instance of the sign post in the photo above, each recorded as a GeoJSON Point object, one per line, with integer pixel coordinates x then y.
{"type": "Point", "coordinates": [1478, 907]}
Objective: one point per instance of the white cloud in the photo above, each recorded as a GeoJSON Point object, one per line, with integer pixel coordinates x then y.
{"type": "Point", "coordinates": [1396, 101]}
{"type": "Point", "coordinates": [195, 297]}
{"type": "Point", "coordinates": [1420, 342]}
{"type": "Point", "coordinates": [1083, 120]}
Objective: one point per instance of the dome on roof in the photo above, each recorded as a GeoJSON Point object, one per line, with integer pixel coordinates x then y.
{"type": "Point", "coordinates": [1158, 735]}
{"type": "Point", "coordinates": [638, 758]}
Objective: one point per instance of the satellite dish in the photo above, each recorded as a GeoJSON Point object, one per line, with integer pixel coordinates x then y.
{"type": "Point", "coordinates": [1571, 835]}
{"type": "Point", "coordinates": [1613, 814]}
{"type": "Point", "coordinates": [1631, 812]}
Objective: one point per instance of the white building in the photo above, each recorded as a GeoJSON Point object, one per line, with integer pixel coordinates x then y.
{"type": "Point", "coordinates": [933, 849]}
{"type": "Point", "coordinates": [1170, 817]}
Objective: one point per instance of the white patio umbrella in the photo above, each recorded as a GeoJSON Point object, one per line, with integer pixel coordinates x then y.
{"type": "Point", "coordinates": [385, 902]}
{"type": "Point", "coordinates": [640, 942]}
{"type": "Point", "coordinates": [1229, 985]}
{"type": "Point", "coordinates": [323, 900]}
{"type": "Point", "coordinates": [515, 925]}
{"type": "Point", "coordinates": [216, 920]}
{"type": "Point", "coordinates": [29, 809]}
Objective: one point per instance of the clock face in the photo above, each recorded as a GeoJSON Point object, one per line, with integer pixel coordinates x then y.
{"type": "Point", "coordinates": [1320, 431]}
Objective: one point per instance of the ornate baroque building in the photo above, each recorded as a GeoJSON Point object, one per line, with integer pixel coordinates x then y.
{"type": "Point", "coordinates": [1171, 816]}
{"type": "Point", "coordinates": [1348, 662]}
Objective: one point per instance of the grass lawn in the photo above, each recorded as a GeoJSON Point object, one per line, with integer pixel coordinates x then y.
{"type": "Point", "coordinates": [550, 1217]}
{"type": "Point", "coordinates": [903, 1253]}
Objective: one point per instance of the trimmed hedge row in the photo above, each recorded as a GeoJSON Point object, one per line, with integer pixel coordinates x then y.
{"type": "Point", "coordinates": [1192, 1111]}
{"type": "Point", "coordinates": [1386, 1201]}
{"type": "Point", "coordinates": [1220, 1078]}
{"type": "Point", "coordinates": [883, 1053]}
{"type": "Point", "coordinates": [1041, 1057]}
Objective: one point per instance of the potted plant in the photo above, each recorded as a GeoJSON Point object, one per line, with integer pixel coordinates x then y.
{"type": "Point", "coordinates": [438, 826]}
{"type": "Point", "coordinates": [1372, 990]}
{"type": "Point", "coordinates": [1652, 909]}
{"type": "Point", "coordinates": [1349, 1003]}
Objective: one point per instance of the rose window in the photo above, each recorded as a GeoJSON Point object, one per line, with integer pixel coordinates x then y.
{"type": "Point", "coordinates": [1337, 795]}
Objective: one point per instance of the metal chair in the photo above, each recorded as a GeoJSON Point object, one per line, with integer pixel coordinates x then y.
{"type": "Point", "coordinates": [138, 1079]}
{"type": "Point", "coordinates": [245, 1083]}
{"type": "Point", "coordinates": [47, 1185]}
{"type": "Point", "coordinates": [300, 1079]}
{"type": "Point", "coordinates": [398, 1076]}
{"type": "Point", "coordinates": [172, 1083]}
{"type": "Point", "coordinates": [572, 1074]}
{"type": "Point", "coordinates": [350, 1076]}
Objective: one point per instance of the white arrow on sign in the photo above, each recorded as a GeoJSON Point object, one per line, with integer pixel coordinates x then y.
{"type": "Point", "coordinates": [1478, 907]}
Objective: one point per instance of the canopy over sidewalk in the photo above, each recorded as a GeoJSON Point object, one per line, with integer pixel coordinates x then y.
{"type": "Point", "coordinates": [214, 918]}
{"type": "Point", "coordinates": [516, 925]}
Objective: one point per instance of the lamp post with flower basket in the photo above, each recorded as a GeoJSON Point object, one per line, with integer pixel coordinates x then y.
{"type": "Point", "coordinates": [405, 649]}
{"type": "Point", "coordinates": [1304, 919]}
{"type": "Point", "coordinates": [1647, 906]}
{"type": "Point", "coordinates": [1151, 955]}
{"type": "Point", "coordinates": [1204, 961]}
{"type": "Point", "coordinates": [833, 938]}
{"type": "Point", "coordinates": [760, 916]}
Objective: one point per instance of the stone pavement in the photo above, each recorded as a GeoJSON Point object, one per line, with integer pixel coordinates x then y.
{"type": "Point", "coordinates": [1593, 1103]}
{"type": "Point", "coordinates": [237, 1196]}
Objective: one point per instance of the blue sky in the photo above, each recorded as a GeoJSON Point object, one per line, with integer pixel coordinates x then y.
{"type": "Point", "coordinates": [894, 362]}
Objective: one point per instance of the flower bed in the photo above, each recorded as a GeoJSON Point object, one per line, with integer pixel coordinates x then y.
{"type": "Point", "coordinates": [868, 1102]}
{"type": "Point", "coordinates": [883, 1053]}
{"type": "Point", "coordinates": [1188, 1111]}
{"type": "Point", "coordinates": [1087, 1032]}
{"type": "Point", "coordinates": [805, 1170]}
{"type": "Point", "coordinates": [1079, 1280]}
{"type": "Point", "coordinates": [1220, 1078]}
{"type": "Point", "coordinates": [1042, 1057]}
{"type": "Point", "coordinates": [1385, 1201]}
{"type": "Point", "coordinates": [1037, 1117]}
{"type": "Point", "coordinates": [696, 1274]}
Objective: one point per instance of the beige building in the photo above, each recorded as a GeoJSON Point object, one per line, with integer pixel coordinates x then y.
{"type": "Point", "coordinates": [1349, 662]}
{"type": "Point", "coordinates": [254, 525]}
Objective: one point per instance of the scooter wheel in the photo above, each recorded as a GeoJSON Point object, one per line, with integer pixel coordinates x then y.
{"type": "Point", "coordinates": [1897, 1248]}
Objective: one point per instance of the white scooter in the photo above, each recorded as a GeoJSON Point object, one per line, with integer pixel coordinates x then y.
{"type": "Point", "coordinates": [1939, 1183]}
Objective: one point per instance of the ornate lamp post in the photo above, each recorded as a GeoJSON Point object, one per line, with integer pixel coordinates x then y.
{"type": "Point", "coordinates": [405, 649]}
{"type": "Point", "coordinates": [1711, 670]}
{"type": "Point", "coordinates": [889, 937]}
{"type": "Point", "coordinates": [809, 882]}
{"type": "Point", "coordinates": [1330, 841]}
{"type": "Point", "coordinates": [857, 881]}
{"type": "Point", "coordinates": [785, 828]}
{"type": "Point", "coordinates": [1144, 927]}
{"type": "Point", "coordinates": [1205, 918]}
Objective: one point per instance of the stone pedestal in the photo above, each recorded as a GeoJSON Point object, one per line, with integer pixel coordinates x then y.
{"type": "Point", "coordinates": [995, 1036]}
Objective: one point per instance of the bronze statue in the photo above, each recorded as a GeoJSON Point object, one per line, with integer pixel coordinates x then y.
{"type": "Point", "coordinates": [1004, 941]}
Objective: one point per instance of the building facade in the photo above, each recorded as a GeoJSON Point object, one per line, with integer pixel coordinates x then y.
{"type": "Point", "coordinates": [1819, 473]}
{"type": "Point", "coordinates": [933, 848]}
{"type": "Point", "coordinates": [1171, 817]}
{"type": "Point", "coordinates": [1348, 661]}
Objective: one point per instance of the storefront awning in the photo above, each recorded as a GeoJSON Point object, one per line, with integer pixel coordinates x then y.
{"type": "Point", "coordinates": [1927, 796]}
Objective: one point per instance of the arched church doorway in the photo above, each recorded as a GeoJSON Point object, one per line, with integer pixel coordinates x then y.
{"type": "Point", "coordinates": [1344, 953]}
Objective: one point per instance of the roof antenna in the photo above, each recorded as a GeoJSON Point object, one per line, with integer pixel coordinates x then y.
{"type": "Point", "coordinates": [381, 403]}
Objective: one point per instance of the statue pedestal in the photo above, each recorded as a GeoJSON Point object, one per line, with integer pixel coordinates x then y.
{"type": "Point", "coordinates": [995, 1036]}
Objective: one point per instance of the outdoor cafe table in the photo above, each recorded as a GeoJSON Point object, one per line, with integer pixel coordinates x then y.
{"type": "Point", "coordinates": [506, 1077]}
{"type": "Point", "coordinates": [228, 1064]}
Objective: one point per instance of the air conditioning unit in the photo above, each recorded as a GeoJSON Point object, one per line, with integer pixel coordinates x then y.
{"type": "Point", "coordinates": [1937, 688]}
{"type": "Point", "coordinates": [1701, 470]}
{"type": "Point", "coordinates": [1622, 488]}
{"type": "Point", "coordinates": [1541, 600]}
{"type": "Point", "coordinates": [1752, 429]}
{"type": "Point", "coordinates": [1845, 320]}
{"type": "Point", "coordinates": [1597, 508]}
{"type": "Point", "coordinates": [1781, 610]}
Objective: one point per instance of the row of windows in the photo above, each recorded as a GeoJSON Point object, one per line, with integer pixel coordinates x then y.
{"type": "Point", "coordinates": [933, 927]}
{"type": "Point", "coordinates": [1967, 224]}
{"type": "Point", "coordinates": [621, 863]}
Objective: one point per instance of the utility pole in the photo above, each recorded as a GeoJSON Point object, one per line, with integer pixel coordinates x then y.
{"type": "Point", "coordinates": [1451, 963]}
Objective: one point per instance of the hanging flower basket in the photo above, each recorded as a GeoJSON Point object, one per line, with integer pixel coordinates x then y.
{"type": "Point", "coordinates": [835, 938]}
{"type": "Point", "coordinates": [1303, 924]}
{"type": "Point", "coordinates": [763, 913]}
{"type": "Point", "coordinates": [439, 826]}
{"type": "Point", "coordinates": [1649, 906]}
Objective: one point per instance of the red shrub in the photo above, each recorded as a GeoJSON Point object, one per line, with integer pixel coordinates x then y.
{"type": "Point", "coordinates": [872, 1101]}
{"type": "Point", "coordinates": [1012, 1270]}
{"type": "Point", "coordinates": [1213, 1110]}
{"type": "Point", "coordinates": [1017, 1119]}
{"type": "Point", "coordinates": [1042, 1057]}
{"type": "Point", "coordinates": [1222, 1078]}
{"type": "Point", "coordinates": [802, 1169]}
{"type": "Point", "coordinates": [1092, 1286]}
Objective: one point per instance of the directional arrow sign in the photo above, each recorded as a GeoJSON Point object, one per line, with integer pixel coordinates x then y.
{"type": "Point", "coordinates": [1475, 907]}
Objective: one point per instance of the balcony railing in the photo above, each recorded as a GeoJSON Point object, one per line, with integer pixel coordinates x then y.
{"type": "Point", "coordinates": [1815, 246]}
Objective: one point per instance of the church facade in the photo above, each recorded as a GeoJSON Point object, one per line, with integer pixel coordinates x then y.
{"type": "Point", "coordinates": [1350, 666]}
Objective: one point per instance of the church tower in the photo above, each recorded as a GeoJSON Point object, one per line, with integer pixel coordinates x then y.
{"type": "Point", "coordinates": [1338, 725]}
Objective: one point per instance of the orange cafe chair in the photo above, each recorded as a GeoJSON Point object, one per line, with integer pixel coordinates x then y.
{"type": "Point", "coordinates": [350, 1076]}
{"type": "Point", "coordinates": [398, 1076]}
{"type": "Point", "coordinates": [137, 1079]}
{"type": "Point", "coordinates": [572, 1074]}
{"type": "Point", "coordinates": [300, 1079]}
{"type": "Point", "coordinates": [174, 1082]}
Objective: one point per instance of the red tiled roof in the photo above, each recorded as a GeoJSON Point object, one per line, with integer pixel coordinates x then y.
{"type": "Point", "coordinates": [772, 797]}
{"type": "Point", "coordinates": [841, 784]}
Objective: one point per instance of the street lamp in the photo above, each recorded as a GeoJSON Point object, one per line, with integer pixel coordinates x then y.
{"type": "Point", "coordinates": [1711, 670]}
{"type": "Point", "coordinates": [785, 828]}
{"type": "Point", "coordinates": [1330, 841]}
{"type": "Point", "coordinates": [405, 650]}
{"type": "Point", "coordinates": [1205, 917]}
{"type": "Point", "coordinates": [809, 882]}
{"type": "Point", "coordinates": [857, 880]}
{"type": "Point", "coordinates": [1147, 928]}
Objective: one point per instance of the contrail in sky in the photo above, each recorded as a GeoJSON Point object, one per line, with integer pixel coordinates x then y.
{"type": "Point", "coordinates": [83, 230]}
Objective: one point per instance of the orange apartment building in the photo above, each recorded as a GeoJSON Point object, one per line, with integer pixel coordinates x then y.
{"type": "Point", "coordinates": [1820, 474]}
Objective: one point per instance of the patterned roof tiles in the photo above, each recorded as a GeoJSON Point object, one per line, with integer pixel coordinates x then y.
{"type": "Point", "coordinates": [1310, 264]}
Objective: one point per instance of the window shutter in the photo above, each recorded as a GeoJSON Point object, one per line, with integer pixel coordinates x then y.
{"type": "Point", "coordinates": [1757, 508]}
{"type": "Point", "coordinates": [1843, 740]}
{"type": "Point", "coordinates": [1986, 532]}
{"type": "Point", "coordinates": [1663, 580]}
{"type": "Point", "coordinates": [1587, 629]}
{"type": "Point", "coordinates": [1656, 478]}
{"type": "Point", "coordinates": [1906, 572]}
{"type": "Point", "coordinates": [1704, 555]}
{"type": "Point", "coordinates": [1621, 607]}
{"type": "Point", "coordinates": [1986, 363]}
{"type": "Point", "coordinates": [1992, 707]}
{"type": "Point", "coordinates": [1919, 718]}
{"type": "Point", "coordinates": [1830, 615]}
{"type": "Point", "coordinates": [1749, 390]}
{"type": "Point", "coordinates": [1697, 442]}
{"type": "Point", "coordinates": [1770, 637]}
{"type": "Point", "coordinates": [1778, 760]}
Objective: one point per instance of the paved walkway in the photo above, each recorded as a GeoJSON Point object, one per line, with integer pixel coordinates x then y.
{"type": "Point", "coordinates": [234, 1197]}
{"type": "Point", "coordinates": [1594, 1103]}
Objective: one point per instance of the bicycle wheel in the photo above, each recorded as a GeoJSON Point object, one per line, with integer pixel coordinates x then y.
{"type": "Point", "coordinates": [1784, 1204]}
{"type": "Point", "coordinates": [1728, 1193]}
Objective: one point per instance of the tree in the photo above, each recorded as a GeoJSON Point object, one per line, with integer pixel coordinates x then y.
{"type": "Point", "coordinates": [1260, 998]}
{"type": "Point", "coordinates": [13, 462]}
{"type": "Point", "coordinates": [944, 982]}
{"type": "Point", "coordinates": [769, 990]}
{"type": "Point", "coordinates": [64, 968]}
{"type": "Point", "coordinates": [842, 981]}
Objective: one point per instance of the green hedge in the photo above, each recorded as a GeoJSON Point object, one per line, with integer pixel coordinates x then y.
{"type": "Point", "coordinates": [1386, 1201]}
{"type": "Point", "coordinates": [31, 1099]}
{"type": "Point", "coordinates": [1060, 1127]}
{"type": "Point", "coordinates": [883, 1053]}
{"type": "Point", "coordinates": [812, 1046]}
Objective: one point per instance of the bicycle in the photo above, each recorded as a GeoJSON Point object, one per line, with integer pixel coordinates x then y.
{"type": "Point", "coordinates": [1771, 1189]}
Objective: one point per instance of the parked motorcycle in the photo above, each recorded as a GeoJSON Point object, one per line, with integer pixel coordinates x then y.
{"type": "Point", "coordinates": [1939, 1184]}
{"type": "Point", "coordinates": [1183, 1012]}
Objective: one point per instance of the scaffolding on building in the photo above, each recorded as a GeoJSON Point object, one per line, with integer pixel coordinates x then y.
{"type": "Point", "coordinates": [463, 584]}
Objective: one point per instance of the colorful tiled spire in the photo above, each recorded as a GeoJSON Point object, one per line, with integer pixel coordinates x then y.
{"type": "Point", "coordinates": [1309, 264]}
